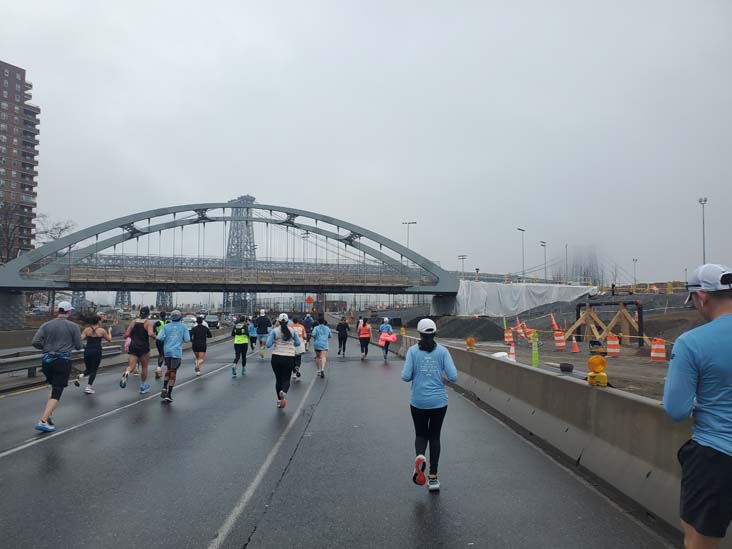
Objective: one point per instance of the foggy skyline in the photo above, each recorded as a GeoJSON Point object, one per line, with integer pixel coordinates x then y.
{"type": "Point", "coordinates": [585, 123]}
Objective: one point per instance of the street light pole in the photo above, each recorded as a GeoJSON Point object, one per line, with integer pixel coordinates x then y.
{"type": "Point", "coordinates": [566, 263]}
{"type": "Point", "coordinates": [523, 263]}
{"type": "Point", "coordinates": [703, 202]}
{"type": "Point", "coordinates": [543, 245]}
{"type": "Point", "coordinates": [462, 258]}
{"type": "Point", "coordinates": [408, 223]}
{"type": "Point", "coordinates": [635, 261]}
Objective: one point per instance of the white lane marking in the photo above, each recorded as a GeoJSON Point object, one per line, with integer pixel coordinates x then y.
{"type": "Point", "coordinates": [44, 438]}
{"type": "Point", "coordinates": [238, 509]}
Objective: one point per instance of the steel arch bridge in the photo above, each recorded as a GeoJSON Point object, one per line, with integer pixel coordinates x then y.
{"type": "Point", "coordinates": [368, 262]}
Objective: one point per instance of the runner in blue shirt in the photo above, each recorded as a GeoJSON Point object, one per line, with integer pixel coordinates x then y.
{"type": "Point", "coordinates": [321, 335]}
{"type": "Point", "coordinates": [425, 365]}
{"type": "Point", "coordinates": [699, 385]}
{"type": "Point", "coordinates": [173, 335]}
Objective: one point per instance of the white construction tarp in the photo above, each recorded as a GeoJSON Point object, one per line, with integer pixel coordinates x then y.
{"type": "Point", "coordinates": [496, 299]}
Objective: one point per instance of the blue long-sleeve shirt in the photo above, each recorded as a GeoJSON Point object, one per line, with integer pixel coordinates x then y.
{"type": "Point", "coordinates": [425, 371]}
{"type": "Point", "coordinates": [386, 328]}
{"type": "Point", "coordinates": [321, 335]}
{"type": "Point", "coordinates": [174, 334]}
{"type": "Point", "coordinates": [699, 382]}
{"type": "Point", "coordinates": [252, 329]}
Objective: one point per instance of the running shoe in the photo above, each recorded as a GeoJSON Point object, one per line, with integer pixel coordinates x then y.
{"type": "Point", "coordinates": [243, 371]}
{"type": "Point", "coordinates": [50, 421]}
{"type": "Point", "coordinates": [282, 401]}
{"type": "Point", "coordinates": [198, 371]}
{"type": "Point", "coordinates": [261, 353]}
{"type": "Point", "coordinates": [419, 477]}
{"type": "Point", "coordinates": [123, 381]}
{"type": "Point", "coordinates": [89, 390]}
{"type": "Point", "coordinates": [78, 379]}
{"type": "Point", "coordinates": [233, 372]}
{"type": "Point", "coordinates": [433, 485]}
{"type": "Point", "coordinates": [339, 353]}
{"type": "Point", "coordinates": [144, 388]}
{"type": "Point", "coordinates": [136, 372]}
{"type": "Point", "coordinates": [163, 394]}
{"type": "Point", "coordinates": [45, 427]}
{"type": "Point", "coordinates": [158, 372]}
{"type": "Point", "coordinates": [298, 374]}
{"type": "Point", "coordinates": [168, 398]}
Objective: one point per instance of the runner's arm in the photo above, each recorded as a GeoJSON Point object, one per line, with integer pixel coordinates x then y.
{"type": "Point", "coordinates": [408, 370]}
{"type": "Point", "coordinates": [208, 333]}
{"type": "Point", "coordinates": [186, 336]}
{"type": "Point", "coordinates": [681, 379]}
{"type": "Point", "coordinates": [270, 339]}
{"type": "Point", "coordinates": [107, 335]}
{"type": "Point", "coordinates": [449, 367]}
{"type": "Point", "coordinates": [39, 338]}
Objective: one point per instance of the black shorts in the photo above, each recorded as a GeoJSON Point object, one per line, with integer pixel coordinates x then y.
{"type": "Point", "coordinates": [139, 351]}
{"type": "Point", "coordinates": [706, 488]}
{"type": "Point", "coordinates": [172, 363]}
{"type": "Point", "coordinates": [198, 348]}
{"type": "Point", "coordinates": [57, 372]}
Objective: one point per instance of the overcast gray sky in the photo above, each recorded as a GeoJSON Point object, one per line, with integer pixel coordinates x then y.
{"type": "Point", "coordinates": [581, 121]}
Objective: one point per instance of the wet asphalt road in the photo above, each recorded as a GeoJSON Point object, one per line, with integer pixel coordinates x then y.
{"type": "Point", "coordinates": [223, 467]}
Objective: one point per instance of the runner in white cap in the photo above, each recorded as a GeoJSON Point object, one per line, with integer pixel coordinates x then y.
{"type": "Point", "coordinates": [283, 341]}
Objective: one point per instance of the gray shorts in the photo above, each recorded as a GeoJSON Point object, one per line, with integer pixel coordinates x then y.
{"type": "Point", "coordinates": [172, 363]}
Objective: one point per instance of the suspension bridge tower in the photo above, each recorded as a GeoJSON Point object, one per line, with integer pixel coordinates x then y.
{"type": "Point", "coordinates": [241, 252]}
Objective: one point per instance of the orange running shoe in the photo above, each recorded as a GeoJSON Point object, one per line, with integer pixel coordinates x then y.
{"type": "Point", "coordinates": [283, 401]}
{"type": "Point", "coordinates": [419, 466]}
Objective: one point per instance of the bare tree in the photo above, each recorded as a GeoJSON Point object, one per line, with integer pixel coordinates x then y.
{"type": "Point", "coordinates": [11, 220]}
{"type": "Point", "coordinates": [48, 230]}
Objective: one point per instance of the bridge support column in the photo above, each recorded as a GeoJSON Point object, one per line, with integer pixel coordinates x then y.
{"type": "Point", "coordinates": [13, 307]}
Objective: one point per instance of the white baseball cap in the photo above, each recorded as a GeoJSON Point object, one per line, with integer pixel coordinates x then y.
{"type": "Point", "coordinates": [709, 277]}
{"type": "Point", "coordinates": [65, 307]}
{"type": "Point", "coordinates": [261, 312]}
{"type": "Point", "coordinates": [426, 326]}
{"type": "Point", "coordinates": [283, 317]}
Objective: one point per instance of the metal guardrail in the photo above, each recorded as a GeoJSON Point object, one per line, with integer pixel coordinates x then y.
{"type": "Point", "coordinates": [32, 362]}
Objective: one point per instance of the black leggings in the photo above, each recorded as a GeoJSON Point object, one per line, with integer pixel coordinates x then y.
{"type": "Point", "coordinates": [365, 345]}
{"type": "Point", "coordinates": [92, 359]}
{"type": "Point", "coordinates": [161, 352]}
{"type": "Point", "coordinates": [282, 367]}
{"type": "Point", "coordinates": [240, 350]}
{"type": "Point", "coordinates": [386, 348]}
{"type": "Point", "coordinates": [252, 342]}
{"type": "Point", "coordinates": [427, 426]}
{"type": "Point", "coordinates": [298, 361]}
{"type": "Point", "coordinates": [342, 343]}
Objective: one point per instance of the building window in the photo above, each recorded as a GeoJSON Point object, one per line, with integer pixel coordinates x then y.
{"type": "Point", "coordinates": [3, 127]}
{"type": "Point", "coordinates": [5, 94]}
{"type": "Point", "coordinates": [3, 149]}
{"type": "Point", "coordinates": [15, 151]}
{"type": "Point", "coordinates": [15, 163]}
{"type": "Point", "coordinates": [15, 141]}
{"type": "Point", "coordinates": [2, 171]}
{"type": "Point", "coordinates": [7, 72]}
{"type": "Point", "coordinates": [17, 109]}
{"type": "Point", "coordinates": [3, 116]}
{"type": "Point", "coordinates": [3, 139]}
{"type": "Point", "coordinates": [13, 196]}
{"type": "Point", "coordinates": [17, 76]}
{"type": "Point", "coordinates": [17, 98]}
{"type": "Point", "coordinates": [17, 87]}
{"type": "Point", "coordinates": [4, 106]}
{"type": "Point", "coordinates": [16, 120]}
{"type": "Point", "coordinates": [5, 83]}
{"type": "Point", "coordinates": [13, 184]}
{"type": "Point", "coordinates": [2, 161]}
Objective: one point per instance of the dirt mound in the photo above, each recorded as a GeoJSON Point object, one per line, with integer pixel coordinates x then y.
{"type": "Point", "coordinates": [482, 329]}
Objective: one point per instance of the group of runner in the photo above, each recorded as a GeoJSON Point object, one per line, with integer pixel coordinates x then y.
{"type": "Point", "coordinates": [425, 367]}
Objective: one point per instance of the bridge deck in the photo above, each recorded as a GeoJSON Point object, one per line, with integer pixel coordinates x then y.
{"type": "Point", "coordinates": [332, 469]}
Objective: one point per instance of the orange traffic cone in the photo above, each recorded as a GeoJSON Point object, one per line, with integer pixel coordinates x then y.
{"type": "Point", "coordinates": [613, 345]}
{"type": "Point", "coordinates": [658, 350]}
{"type": "Point", "coordinates": [575, 347]}
{"type": "Point", "coordinates": [507, 337]}
{"type": "Point", "coordinates": [520, 330]}
{"type": "Point", "coordinates": [512, 353]}
{"type": "Point", "coordinates": [555, 327]}
{"type": "Point", "coordinates": [560, 343]}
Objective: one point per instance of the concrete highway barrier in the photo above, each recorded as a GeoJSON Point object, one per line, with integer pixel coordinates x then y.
{"type": "Point", "coordinates": [625, 439]}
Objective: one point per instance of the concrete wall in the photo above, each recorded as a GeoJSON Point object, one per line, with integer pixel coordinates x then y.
{"type": "Point", "coordinates": [626, 440]}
